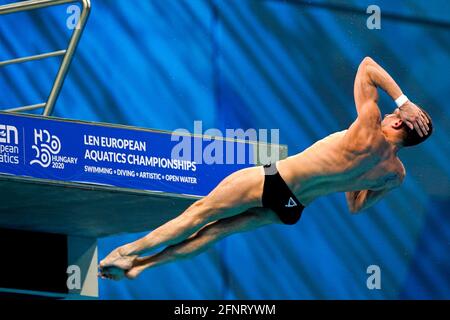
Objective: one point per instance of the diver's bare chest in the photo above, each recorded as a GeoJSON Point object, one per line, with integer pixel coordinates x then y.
{"type": "Point", "coordinates": [379, 175]}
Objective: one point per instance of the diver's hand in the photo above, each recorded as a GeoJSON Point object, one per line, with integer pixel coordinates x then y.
{"type": "Point", "coordinates": [414, 118]}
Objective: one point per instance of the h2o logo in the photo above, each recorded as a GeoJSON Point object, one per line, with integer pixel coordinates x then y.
{"type": "Point", "coordinates": [45, 145]}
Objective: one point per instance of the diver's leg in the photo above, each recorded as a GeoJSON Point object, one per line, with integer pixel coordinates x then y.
{"type": "Point", "coordinates": [235, 194]}
{"type": "Point", "coordinates": [199, 242]}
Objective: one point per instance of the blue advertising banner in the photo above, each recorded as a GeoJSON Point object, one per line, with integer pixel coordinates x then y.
{"type": "Point", "coordinates": [120, 156]}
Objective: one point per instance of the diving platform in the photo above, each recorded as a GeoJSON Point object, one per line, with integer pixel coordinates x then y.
{"type": "Point", "coordinates": [79, 181]}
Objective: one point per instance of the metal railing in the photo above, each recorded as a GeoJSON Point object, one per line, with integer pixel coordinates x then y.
{"type": "Point", "coordinates": [66, 53]}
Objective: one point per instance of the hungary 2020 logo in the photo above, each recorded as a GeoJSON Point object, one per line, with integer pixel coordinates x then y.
{"type": "Point", "coordinates": [45, 145]}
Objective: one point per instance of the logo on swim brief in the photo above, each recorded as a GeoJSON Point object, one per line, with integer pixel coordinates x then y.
{"type": "Point", "coordinates": [291, 203]}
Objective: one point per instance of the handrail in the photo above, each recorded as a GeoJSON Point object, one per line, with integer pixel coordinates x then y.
{"type": "Point", "coordinates": [34, 57]}
{"type": "Point", "coordinates": [28, 108]}
{"type": "Point", "coordinates": [68, 53]}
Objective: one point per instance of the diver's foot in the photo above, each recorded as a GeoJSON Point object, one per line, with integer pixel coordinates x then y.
{"type": "Point", "coordinates": [112, 273]}
{"type": "Point", "coordinates": [116, 259]}
{"type": "Point", "coordinates": [134, 272]}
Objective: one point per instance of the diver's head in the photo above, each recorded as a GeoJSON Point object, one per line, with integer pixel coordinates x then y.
{"type": "Point", "coordinates": [399, 133]}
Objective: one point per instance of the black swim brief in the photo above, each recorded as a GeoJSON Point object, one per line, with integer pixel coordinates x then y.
{"type": "Point", "coordinates": [278, 197]}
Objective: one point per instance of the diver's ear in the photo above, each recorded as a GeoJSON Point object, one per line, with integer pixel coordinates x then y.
{"type": "Point", "coordinates": [397, 124]}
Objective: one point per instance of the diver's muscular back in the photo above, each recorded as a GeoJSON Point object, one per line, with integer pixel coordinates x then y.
{"type": "Point", "coordinates": [348, 160]}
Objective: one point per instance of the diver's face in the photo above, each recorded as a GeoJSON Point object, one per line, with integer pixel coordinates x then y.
{"type": "Point", "coordinates": [392, 120]}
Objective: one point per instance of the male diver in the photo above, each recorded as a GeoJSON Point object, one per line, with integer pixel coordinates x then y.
{"type": "Point", "coordinates": [361, 161]}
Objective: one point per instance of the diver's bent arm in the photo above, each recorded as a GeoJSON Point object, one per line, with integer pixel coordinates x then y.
{"type": "Point", "coordinates": [361, 200]}
{"type": "Point", "coordinates": [380, 78]}
{"type": "Point", "coordinates": [364, 199]}
{"type": "Point", "coordinates": [369, 77]}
